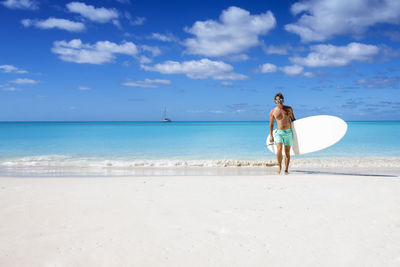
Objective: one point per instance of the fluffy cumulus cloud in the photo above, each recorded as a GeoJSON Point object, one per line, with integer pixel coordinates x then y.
{"type": "Point", "coordinates": [268, 68]}
{"type": "Point", "coordinates": [20, 4]}
{"type": "Point", "coordinates": [137, 21]}
{"type": "Point", "coordinates": [154, 50]}
{"type": "Point", "coordinates": [52, 23]}
{"type": "Point", "coordinates": [163, 37]}
{"type": "Point", "coordinates": [335, 56]}
{"type": "Point", "coordinates": [100, 15]}
{"type": "Point", "coordinates": [134, 21]}
{"type": "Point", "coordinates": [98, 53]}
{"type": "Point", "coordinates": [320, 20]}
{"type": "Point", "coordinates": [238, 57]}
{"type": "Point", "coordinates": [325, 55]}
{"type": "Point", "coordinates": [293, 70]}
{"type": "Point", "coordinates": [280, 49]}
{"type": "Point", "coordinates": [11, 69]}
{"type": "Point", "coordinates": [24, 81]}
{"type": "Point", "coordinates": [145, 60]}
{"type": "Point", "coordinates": [150, 51]}
{"type": "Point", "coordinates": [236, 32]}
{"type": "Point", "coordinates": [147, 83]}
{"type": "Point", "coordinates": [198, 69]}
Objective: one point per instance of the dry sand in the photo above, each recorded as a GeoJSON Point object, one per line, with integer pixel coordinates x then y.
{"type": "Point", "coordinates": [305, 219]}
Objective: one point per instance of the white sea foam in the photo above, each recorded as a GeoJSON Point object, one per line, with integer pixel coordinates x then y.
{"type": "Point", "coordinates": [63, 161]}
{"type": "Point", "coordinates": [360, 162]}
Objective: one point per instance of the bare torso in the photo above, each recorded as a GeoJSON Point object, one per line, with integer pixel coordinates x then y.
{"type": "Point", "coordinates": [282, 117]}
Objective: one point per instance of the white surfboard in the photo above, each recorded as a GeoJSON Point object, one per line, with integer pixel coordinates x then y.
{"type": "Point", "coordinates": [313, 133]}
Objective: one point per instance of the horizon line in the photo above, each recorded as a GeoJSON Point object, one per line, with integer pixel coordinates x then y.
{"type": "Point", "coordinates": [179, 121]}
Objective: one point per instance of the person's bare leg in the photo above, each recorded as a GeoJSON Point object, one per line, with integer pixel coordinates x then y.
{"type": "Point", "coordinates": [279, 156]}
{"type": "Point", "coordinates": [287, 159]}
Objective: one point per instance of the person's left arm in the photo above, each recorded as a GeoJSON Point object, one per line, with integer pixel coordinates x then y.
{"type": "Point", "coordinates": [291, 114]}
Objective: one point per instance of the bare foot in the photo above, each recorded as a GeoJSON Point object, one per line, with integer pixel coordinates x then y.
{"type": "Point", "coordinates": [279, 169]}
{"type": "Point", "coordinates": [286, 172]}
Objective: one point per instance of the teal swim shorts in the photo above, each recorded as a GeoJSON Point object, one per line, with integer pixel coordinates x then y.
{"type": "Point", "coordinates": [283, 136]}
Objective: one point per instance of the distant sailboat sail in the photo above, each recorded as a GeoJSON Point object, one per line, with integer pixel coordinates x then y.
{"type": "Point", "coordinates": [165, 119]}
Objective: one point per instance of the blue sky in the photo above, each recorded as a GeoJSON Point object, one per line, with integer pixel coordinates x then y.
{"type": "Point", "coordinates": [203, 60]}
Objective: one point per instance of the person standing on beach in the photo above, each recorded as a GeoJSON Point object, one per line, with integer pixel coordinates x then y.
{"type": "Point", "coordinates": [283, 115]}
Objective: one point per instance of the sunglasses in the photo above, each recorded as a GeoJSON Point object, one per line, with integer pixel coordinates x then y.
{"type": "Point", "coordinates": [279, 99]}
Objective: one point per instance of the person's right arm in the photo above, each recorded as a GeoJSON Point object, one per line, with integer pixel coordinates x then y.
{"type": "Point", "coordinates": [271, 126]}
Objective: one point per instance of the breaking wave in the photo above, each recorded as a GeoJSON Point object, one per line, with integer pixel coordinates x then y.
{"type": "Point", "coordinates": [64, 161]}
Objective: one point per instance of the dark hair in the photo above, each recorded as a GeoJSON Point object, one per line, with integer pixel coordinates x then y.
{"type": "Point", "coordinates": [280, 96]}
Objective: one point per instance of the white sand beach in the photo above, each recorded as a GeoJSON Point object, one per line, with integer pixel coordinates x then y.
{"type": "Point", "coordinates": [308, 218]}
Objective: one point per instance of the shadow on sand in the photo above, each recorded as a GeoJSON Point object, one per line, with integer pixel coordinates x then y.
{"type": "Point", "coordinates": [344, 173]}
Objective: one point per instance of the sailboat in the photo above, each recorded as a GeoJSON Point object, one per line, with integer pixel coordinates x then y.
{"type": "Point", "coordinates": [165, 119]}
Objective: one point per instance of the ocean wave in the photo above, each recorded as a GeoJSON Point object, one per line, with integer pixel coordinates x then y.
{"type": "Point", "coordinates": [65, 161]}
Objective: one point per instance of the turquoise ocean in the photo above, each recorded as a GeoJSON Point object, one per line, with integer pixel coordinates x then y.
{"type": "Point", "coordinates": [44, 146]}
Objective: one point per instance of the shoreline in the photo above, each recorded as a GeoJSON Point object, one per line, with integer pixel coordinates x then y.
{"type": "Point", "coordinates": [131, 166]}
{"type": "Point", "coordinates": [54, 166]}
{"type": "Point", "coordinates": [193, 171]}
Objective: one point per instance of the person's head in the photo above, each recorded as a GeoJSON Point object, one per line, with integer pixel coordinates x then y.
{"type": "Point", "coordinates": [279, 98]}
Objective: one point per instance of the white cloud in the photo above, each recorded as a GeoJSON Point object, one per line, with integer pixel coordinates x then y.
{"type": "Point", "coordinates": [24, 81]}
{"type": "Point", "coordinates": [294, 70]}
{"type": "Point", "coordinates": [268, 68]}
{"type": "Point", "coordinates": [334, 56]}
{"type": "Point", "coordinates": [134, 21]}
{"type": "Point", "coordinates": [145, 60]}
{"type": "Point", "coordinates": [26, 22]}
{"type": "Point", "coordinates": [323, 19]}
{"type": "Point", "coordinates": [11, 69]}
{"type": "Point", "coordinates": [239, 57]}
{"type": "Point", "coordinates": [236, 32]}
{"type": "Point", "coordinates": [138, 21]}
{"type": "Point", "coordinates": [154, 50]}
{"type": "Point", "coordinates": [100, 15]}
{"type": "Point", "coordinates": [308, 74]}
{"type": "Point", "coordinates": [11, 89]}
{"type": "Point", "coordinates": [98, 53]}
{"type": "Point", "coordinates": [216, 111]}
{"type": "Point", "coordinates": [117, 23]}
{"type": "Point", "coordinates": [325, 56]}
{"type": "Point", "coordinates": [163, 37]}
{"type": "Point", "coordinates": [52, 23]}
{"type": "Point", "coordinates": [198, 69]}
{"type": "Point", "coordinates": [20, 4]}
{"type": "Point", "coordinates": [380, 82]}
{"type": "Point", "coordinates": [226, 83]}
{"type": "Point", "coordinates": [278, 50]}
{"type": "Point", "coordinates": [84, 88]}
{"type": "Point", "coordinates": [147, 83]}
